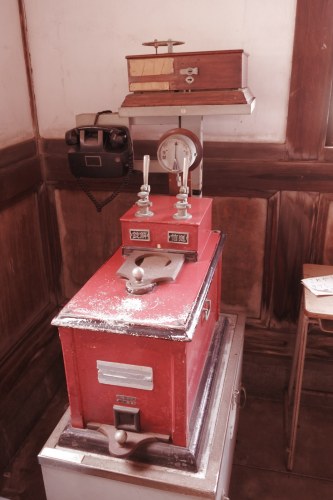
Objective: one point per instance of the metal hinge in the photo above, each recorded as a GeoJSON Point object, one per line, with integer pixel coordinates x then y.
{"type": "Point", "coordinates": [189, 71]}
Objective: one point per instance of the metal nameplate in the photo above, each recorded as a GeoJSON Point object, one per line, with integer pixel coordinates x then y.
{"type": "Point", "coordinates": [178, 237]}
{"type": "Point", "coordinates": [139, 234]}
{"type": "Point", "coordinates": [125, 375]}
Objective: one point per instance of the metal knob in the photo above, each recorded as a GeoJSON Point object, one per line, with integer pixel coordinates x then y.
{"type": "Point", "coordinates": [138, 274]}
{"type": "Point", "coordinates": [121, 437]}
{"type": "Point", "coordinates": [137, 284]}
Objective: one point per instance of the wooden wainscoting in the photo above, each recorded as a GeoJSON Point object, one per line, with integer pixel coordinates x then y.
{"type": "Point", "coordinates": [30, 357]}
{"type": "Point", "coordinates": [87, 237]}
{"type": "Point", "coordinates": [244, 221]}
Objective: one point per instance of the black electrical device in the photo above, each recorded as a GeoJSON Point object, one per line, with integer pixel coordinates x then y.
{"type": "Point", "coordinates": [100, 151]}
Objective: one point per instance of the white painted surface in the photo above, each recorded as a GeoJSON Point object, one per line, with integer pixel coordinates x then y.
{"type": "Point", "coordinates": [15, 116]}
{"type": "Point", "coordinates": [79, 47]}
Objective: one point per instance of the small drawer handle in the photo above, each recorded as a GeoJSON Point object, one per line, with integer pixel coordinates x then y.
{"type": "Point", "coordinates": [206, 308]}
{"type": "Point", "coordinates": [239, 397]}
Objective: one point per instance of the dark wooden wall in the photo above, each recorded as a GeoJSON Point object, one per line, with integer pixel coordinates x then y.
{"type": "Point", "coordinates": [274, 201]}
{"type": "Point", "coordinates": [30, 358]}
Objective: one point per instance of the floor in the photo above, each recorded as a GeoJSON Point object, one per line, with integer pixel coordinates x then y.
{"type": "Point", "coordinates": [23, 478]}
{"type": "Point", "coordinates": [259, 462]}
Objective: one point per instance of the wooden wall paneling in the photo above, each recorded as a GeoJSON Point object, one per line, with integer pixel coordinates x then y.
{"type": "Point", "coordinates": [17, 179]}
{"type": "Point", "coordinates": [22, 273]}
{"type": "Point", "coordinates": [269, 342]}
{"type": "Point", "coordinates": [15, 364]}
{"type": "Point", "coordinates": [329, 132]}
{"type": "Point", "coordinates": [244, 220]}
{"type": "Point", "coordinates": [310, 87]}
{"type": "Point", "coordinates": [320, 346]}
{"type": "Point", "coordinates": [244, 151]}
{"type": "Point", "coordinates": [30, 355]}
{"type": "Point", "coordinates": [324, 241]}
{"type": "Point", "coordinates": [19, 171]}
{"type": "Point", "coordinates": [297, 222]}
{"type": "Point", "coordinates": [25, 399]}
{"type": "Point", "coordinates": [87, 237]}
{"type": "Point", "coordinates": [322, 230]}
{"type": "Point", "coordinates": [18, 152]}
{"type": "Point", "coordinates": [51, 243]}
{"type": "Point", "coordinates": [253, 177]}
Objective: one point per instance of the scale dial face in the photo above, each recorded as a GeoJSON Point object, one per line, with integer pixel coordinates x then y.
{"type": "Point", "coordinates": [174, 146]}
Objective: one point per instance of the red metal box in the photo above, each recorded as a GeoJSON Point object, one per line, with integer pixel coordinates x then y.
{"type": "Point", "coordinates": [162, 338]}
{"type": "Point", "coordinates": [136, 362]}
{"type": "Point", "coordinates": [163, 232]}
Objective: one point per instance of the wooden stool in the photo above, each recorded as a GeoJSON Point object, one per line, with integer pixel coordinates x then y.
{"type": "Point", "coordinates": [313, 308]}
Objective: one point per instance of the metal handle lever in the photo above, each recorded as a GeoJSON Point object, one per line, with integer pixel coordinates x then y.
{"type": "Point", "coordinates": [239, 397]}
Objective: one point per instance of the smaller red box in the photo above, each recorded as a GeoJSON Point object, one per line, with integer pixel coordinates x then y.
{"type": "Point", "coordinates": [163, 232]}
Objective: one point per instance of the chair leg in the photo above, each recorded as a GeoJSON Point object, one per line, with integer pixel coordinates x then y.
{"type": "Point", "coordinates": [297, 377]}
{"type": "Point", "coordinates": [296, 352]}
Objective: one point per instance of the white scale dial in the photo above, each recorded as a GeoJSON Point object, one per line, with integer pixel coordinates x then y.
{"type": "Point", "coordinates": [175, 146]}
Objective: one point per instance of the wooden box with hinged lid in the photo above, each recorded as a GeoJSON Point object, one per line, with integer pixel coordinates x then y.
{"type": "Point", "coordinates": [187, 80]}
{"type": "Point", "coordinates": [212, 70]}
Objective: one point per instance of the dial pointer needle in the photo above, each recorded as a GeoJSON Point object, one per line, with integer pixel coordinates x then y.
{"type": "Point", "coordinates": [175, 162]}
